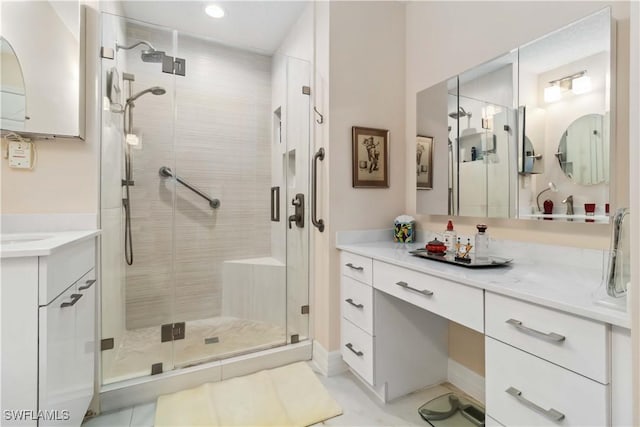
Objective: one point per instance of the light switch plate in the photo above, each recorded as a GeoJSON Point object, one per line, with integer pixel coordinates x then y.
{"type": "Point", "coordinates": [20, 154]}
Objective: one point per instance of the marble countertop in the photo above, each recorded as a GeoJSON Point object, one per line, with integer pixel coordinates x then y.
{"type": "Point", "coordinates": [15, 245]}
{"type": "Point", "coordinates": [561, 285]}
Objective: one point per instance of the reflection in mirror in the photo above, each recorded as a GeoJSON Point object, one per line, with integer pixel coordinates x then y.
{"type": "Point", "coordinates": [433, 120]}
{"type": "Point", "coordinates": [12, 92]}
{"type": "Point", "coordinates": [581, 151]}
{"type": "Point", "coordinates": [564, 87]}
{"type": "Point", "coordinates": [502, 122]}
{"type": "Point", "coordinates": [486, 141]}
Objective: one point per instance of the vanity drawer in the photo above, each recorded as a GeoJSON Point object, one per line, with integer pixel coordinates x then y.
{"type": "Point", "coordinates": [357, 267]}
{"type": "Point", "coordinates": [523, 389]}
{"type": "Point", "coordinates": [357, 303]}
{"type": "Point", "coordinates": [63, 268]}
{"type": "Point", "coordinates": [460, 303]}
{"type": "Point", "coordinates": [357, 350]}
{"type": "Point", "coordinates": [576, 343]}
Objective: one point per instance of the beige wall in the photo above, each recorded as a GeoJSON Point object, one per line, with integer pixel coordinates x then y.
{"type": "Point", "coordinates": [65, 178]}
{"type": "Point", "coordinates": [366, 86]}
{"type": "Point", "coordinates": [445, 38]}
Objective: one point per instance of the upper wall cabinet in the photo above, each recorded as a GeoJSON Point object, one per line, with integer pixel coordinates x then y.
{"type": "Point", "coordinates": [525, 135]}
{"type": "Point", "coordinates": [42, 68]}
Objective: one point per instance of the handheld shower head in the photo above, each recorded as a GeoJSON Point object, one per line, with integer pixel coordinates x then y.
{"type": "Point", "coordinates": [155, 90]}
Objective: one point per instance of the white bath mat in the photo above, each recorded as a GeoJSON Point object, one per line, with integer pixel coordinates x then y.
{"type": "Point", "coordinates": [290, 395]}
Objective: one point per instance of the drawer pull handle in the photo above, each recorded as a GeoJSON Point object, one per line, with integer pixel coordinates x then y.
{"type": "Point", "coordinates": [551, 414]}
{"type": "Point", "coordinates": [405, 285]}
{"type": "Point", "coordinates": [356, 352]}
{"type": "Point", "coordinates": [350, 301]}
{"type": "Point", "coordinates": [353, 267]}
{"type": "Point", "coordinates": [551, 336]}
{"type": "Point", "coordinates": [89, 283]}
{"type": "Point", "coordinates": [74, 300]}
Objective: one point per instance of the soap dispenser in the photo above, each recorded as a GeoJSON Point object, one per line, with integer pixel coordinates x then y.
{"type": "Point", "coordinates": [482, 244]}
{"type": "Point", "coordinates": [450, 238]}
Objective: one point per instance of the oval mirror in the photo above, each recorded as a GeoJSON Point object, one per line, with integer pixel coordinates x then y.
{"type": "Point", "coordinates": [13, 97]}
{"type": "Point", "coordinates": [583, 151]}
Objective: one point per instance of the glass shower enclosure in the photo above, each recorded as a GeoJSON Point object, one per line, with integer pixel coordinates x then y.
{"type": "Point", "coordinates": [204, 178]}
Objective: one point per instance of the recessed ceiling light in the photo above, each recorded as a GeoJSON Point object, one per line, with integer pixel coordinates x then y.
{"type": "Point", "coordinates": [214, 11]}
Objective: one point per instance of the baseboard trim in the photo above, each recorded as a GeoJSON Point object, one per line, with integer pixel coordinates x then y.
{"type": "Point", "coordinates": [327, 363]}
{"type": "Point", "coordinates": [466, 380]}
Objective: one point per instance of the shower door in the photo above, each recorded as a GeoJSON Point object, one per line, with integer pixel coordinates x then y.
{"type": "Point", "coordinates": [218, 269]}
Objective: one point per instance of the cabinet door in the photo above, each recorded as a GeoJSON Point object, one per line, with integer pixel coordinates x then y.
{"type": "Point", "coordinates": [50, 63]}
{"type": "Point", "coordinates": [57, 375]}
{"type": "Point", "coordinates": [85, 343]}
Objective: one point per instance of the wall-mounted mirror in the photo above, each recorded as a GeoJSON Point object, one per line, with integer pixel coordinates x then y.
{"type": "Point", "coordinates": [505, 129]}
{"type": "Point", "coordinates": [45, 40]}
{"type": "Point", "coordinates": [583, 149]}
{"type": "Point", "coordinates": [12, 90]}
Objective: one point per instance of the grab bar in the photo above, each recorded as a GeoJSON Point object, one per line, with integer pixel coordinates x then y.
{"type": "Point", "coordinates": [166, 172]}
{"type": "Point", "coordinates": [314, 189]}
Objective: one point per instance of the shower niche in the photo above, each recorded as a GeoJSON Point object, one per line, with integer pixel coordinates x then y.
{"type": "Point", "coordinates": [185, 281]}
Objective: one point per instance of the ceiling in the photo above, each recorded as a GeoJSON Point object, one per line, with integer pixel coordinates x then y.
{"type": "Point", "coordinates": [259, 26]}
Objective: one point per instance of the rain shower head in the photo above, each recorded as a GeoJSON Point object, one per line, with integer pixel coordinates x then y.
{"type": "Point", "coordinates": [155, 90]}
{"type": "Point", "coordinates": [149, 55]}
{"type": "Point", "coordinates": [460, 113]}
{"type": "Point", "coordinates": [152, 55]}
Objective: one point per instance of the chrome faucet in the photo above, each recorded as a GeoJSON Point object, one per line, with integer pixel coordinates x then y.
{"type": "Point", "coordinates": [569, 202]}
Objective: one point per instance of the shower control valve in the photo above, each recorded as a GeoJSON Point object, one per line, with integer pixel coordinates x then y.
{"type": "Point", "coordinates": [298, 216]}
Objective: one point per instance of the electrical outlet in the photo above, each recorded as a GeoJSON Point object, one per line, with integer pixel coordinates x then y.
{"type": "Point", "coordinates": [20, 154]}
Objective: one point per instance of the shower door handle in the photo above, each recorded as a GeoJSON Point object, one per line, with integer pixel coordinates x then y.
{"type": "Point", "coordinates": [314, 190]}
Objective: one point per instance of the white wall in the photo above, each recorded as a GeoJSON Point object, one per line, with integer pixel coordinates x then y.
{"type": "Point", "coordinates": [634, 164]}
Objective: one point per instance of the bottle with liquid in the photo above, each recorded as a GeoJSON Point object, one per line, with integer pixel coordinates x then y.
{"type": "Point", "coordinates": [473, 154]}
{"type": "Point", "coordinates": [450, 238]}
{"type": "Point", "coordinates": [482, 244]}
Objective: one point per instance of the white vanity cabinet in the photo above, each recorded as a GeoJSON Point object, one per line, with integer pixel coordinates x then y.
{"type": "Point", "coordinates": [549, 360]}
{"type": "Point", "coordinates": [544, 366]}
{"type": "Point", "coordinates": [356, 306]}
{"type": "Point", "coordinates": [48, 335]}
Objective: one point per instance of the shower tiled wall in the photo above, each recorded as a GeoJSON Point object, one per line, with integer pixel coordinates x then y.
{"type": "Point", "coordinates": [219, 140]}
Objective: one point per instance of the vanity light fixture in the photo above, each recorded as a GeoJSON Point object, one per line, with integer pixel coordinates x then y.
{"type": "Point", "coordinates": [581, 85]}
{"type": "Point", "coordinates": [578, 83]}
{"type": "Point", "coordinates": [552, 93]}
{"type": "Point", "coordinates": [214, 11]}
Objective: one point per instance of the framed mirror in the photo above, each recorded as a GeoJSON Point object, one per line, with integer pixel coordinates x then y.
{"type": "Point", "coordinates": [506, 129]}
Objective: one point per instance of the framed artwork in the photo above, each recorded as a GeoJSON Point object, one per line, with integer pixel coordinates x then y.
{"type": "Point", "coordinates": [424, 162]}
{"type": "Point", "coordinates": [370, 157]}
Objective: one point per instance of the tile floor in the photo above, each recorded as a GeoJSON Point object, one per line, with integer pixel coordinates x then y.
{"type": "Point", "coordinates": [140, 348]}
{"type": "Point", "coordinates": [360, 407]}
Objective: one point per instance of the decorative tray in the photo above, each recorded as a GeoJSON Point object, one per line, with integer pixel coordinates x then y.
{"type": "Point", "coordinates": [492, 262]}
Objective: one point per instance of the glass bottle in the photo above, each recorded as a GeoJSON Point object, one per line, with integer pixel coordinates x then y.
{"type": "Point", "coordinates": [450, 238]}
{"type": "Point", "coordinates": [482, 244]}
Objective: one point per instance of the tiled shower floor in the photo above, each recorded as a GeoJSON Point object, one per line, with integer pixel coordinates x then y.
{"type": "Point", "coordinates": [140, 348]}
